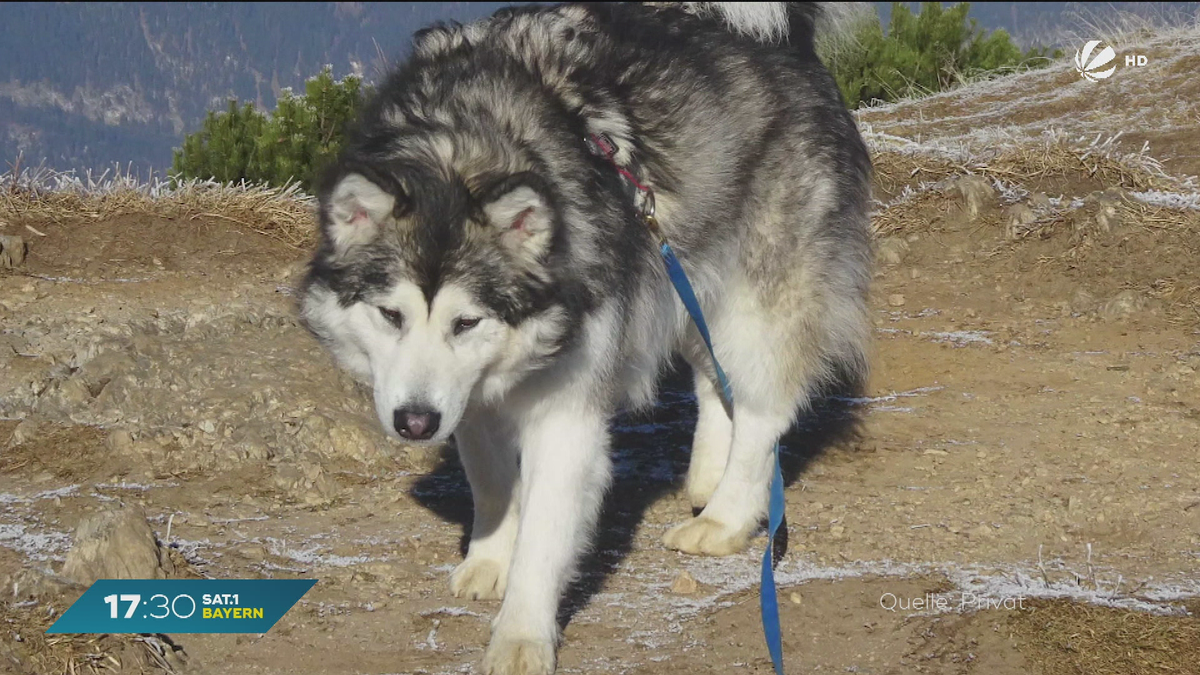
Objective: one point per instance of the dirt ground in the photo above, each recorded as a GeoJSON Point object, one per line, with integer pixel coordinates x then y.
{"type": "Point", "coordinates": [1025, 455]}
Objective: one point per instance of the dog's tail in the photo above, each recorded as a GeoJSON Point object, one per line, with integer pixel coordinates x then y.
{"type": "Point", "coordinates": [801, 24]}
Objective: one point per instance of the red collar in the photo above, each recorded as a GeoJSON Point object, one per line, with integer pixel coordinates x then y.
{"type": "Point", "coordinates": [602, 145]}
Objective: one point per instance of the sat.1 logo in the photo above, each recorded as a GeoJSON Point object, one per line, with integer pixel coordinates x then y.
{"type": "Point", "coordinates": [1094, 65]}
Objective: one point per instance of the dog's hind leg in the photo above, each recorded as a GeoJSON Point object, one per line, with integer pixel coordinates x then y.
{"type": "Point", "coordinates": [711, 441]}
{"type": "Point", "coordinates": [767, 373]}
{"type": "Point", "coordinates": [739, 501]}
{"type": "Point", "coordinates": [488, 453]}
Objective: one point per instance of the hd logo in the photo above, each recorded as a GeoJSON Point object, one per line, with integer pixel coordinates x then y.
{"type": "Point", "coordinates": [1094, 65]}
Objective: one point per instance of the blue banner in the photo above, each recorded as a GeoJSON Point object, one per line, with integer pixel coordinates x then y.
{"type": "Point", "coordinates": [182, 606]}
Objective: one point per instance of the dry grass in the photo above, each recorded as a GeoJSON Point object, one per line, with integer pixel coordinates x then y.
{"type": "Point", "coordinates": [1181, 228]}
{"type": "Point", "coordinates": [37, 600]}
{"type": "Point", "coordinates": [28, 649]}
{"type": "Point", "coordinates": [1129, 26]}
{"type": "Point", "coordinates": [39, 195]}
{"type": "Point", "coordinates": [1157, 219]}
{"type": "Point", "coordinates": [34, 599]}
{"type": "Point", "coordinates": [1061, 637]}
{"type": "Point", "coordinates": [916, 175]}
{"type": "Point", "coordinates": [1171, 233]}
{"type": "Point", "coordinates": [1024, 164]}
{"type": "Point", "coordinates": [1055, 156]}
{"type": "Point", "coordinates": [61, 450]}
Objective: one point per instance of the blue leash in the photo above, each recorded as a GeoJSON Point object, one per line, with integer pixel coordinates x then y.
{"type": "Point", "coordinates": [603, 145]}
{"type": "Point", "coordinates": [768, 600]}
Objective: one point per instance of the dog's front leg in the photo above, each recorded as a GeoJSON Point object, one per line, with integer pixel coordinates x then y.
{"type": "Point", "coordinates": [564, 474]}
{"type": "Point", "coordinates": [488, 450]}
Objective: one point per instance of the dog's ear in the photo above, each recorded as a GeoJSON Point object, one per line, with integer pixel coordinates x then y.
{"type": "Point", "coordinates": [519, 211]}
{"type": "Point", "coordinates": [356, 207]}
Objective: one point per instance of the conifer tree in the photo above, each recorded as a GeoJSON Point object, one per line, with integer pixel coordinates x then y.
{"type": "Point", "coordinates": [291, 145]}
{"type": "Point", "coordinates": [923, 53]}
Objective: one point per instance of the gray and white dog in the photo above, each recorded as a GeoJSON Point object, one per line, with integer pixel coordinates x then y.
{"type": "Point", "coordinates": [490, 275]}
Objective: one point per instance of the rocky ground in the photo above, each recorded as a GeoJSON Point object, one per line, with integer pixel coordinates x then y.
{"type": "Point", "coordinates": [1026, 451]}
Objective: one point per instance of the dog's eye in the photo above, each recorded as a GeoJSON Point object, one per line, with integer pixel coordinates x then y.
{"type": "Point", "coordinates": [464, 324]}
{"type": "Point", "coordinates": [396, 318]}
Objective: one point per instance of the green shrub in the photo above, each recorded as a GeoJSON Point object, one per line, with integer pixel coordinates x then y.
{"type": "Point", "coordinates": [923, 53]}
{"type": "Point", "coordinates": [291, 145]}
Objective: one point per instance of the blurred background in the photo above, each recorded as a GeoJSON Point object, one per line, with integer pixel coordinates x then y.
{"type": "Point", "coordinates": [88, 85]}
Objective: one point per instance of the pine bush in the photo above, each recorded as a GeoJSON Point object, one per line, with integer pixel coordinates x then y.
{"type": "Point", "coordinates": [292, 144]}
{"type": "Point", "coordinates": [923, 53]}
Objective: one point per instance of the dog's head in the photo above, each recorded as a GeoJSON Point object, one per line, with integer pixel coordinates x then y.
{"type": "Point", "coordinates": [462, 223]}
{"type": "Point", "coordinates": [432, 280]}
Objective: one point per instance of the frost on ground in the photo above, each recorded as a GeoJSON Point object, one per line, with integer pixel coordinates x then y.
{"type": "Point", "coordinates": [33, 544]}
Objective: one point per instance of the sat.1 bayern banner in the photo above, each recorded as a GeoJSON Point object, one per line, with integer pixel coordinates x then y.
{"type": "Point", "coordinates": [182, 606]}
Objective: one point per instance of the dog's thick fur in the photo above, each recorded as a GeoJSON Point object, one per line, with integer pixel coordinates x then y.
{"type": "Point", "coordinates": [489, 276]}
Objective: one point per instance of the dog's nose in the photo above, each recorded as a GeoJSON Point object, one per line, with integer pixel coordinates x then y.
{"type": "Point", "coordinates": [415, 424]}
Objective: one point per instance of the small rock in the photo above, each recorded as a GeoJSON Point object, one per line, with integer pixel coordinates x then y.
{"type": "Point", "coordinates": [384, 572]}
{"type": "Point", "coordinates": [1110, 196]}
{"type": "Point", "coordinates": [290, 273]}
{"type": "Point", "coordinates": [896, 300]}
{"type": "Point", "coordinates": [39, 585]}
{"type": "Point", "coordinates": [1083, 302]}
{"type": "Point", "coordinates": [976, 193]}
{"type": "Point", "coordinates": [1039, 201]}
{"type": "Point", "coordinates": [253, 552]}
{"type": "Point", "coordinates": [1105, 207]}
{"type": "Point", "coordinates": [1122, 305]}
{"type": "Point", "coordinates": [26, 430]}
{"type": "Point", "coordinates": [891, 250]}
{"type": "Point", "coordinates": [306, 481]}
{"type": "Point", "coordinates": [1018, 218]}
{"type": "Point", "coordinates": [1108, 219]}
{"type": "Point", "coordinates": [288, 479]}
{"type": "Point", "coordinates": [120, 441]}
{"type": "Point", "coordinates": [837, 531]}
{"type": "Point", "coordinates": [12, 251]}
{"type": "Point", "coordinates": [254, 451]}
{"type": "Point", "coordinates": [684, 584]}
{"type": "Point", "coordinates": [422, 459]}
{"type": "Point", "coordinates": [116, 544]}
{"type": "Point", "coordinates": [353, 440]}
{"type": "Point", "coordinates": [794, 598]}
{"type": "Point", "coordinates": [69, 395]}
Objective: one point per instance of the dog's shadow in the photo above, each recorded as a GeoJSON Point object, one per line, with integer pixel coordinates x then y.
{"type": "Point", "coordinates": [650, 457]}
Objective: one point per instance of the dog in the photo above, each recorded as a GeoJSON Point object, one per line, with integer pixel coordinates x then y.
{"type": "Point", "coordinates": [487, 267]}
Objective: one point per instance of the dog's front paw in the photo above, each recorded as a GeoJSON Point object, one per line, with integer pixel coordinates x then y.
{"type": "Point", "coordinates": [507, 656]}
{"type": "Point", "coordinates": [705, 536]}
{"type": "Point", "coordinates": [479, 579]}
